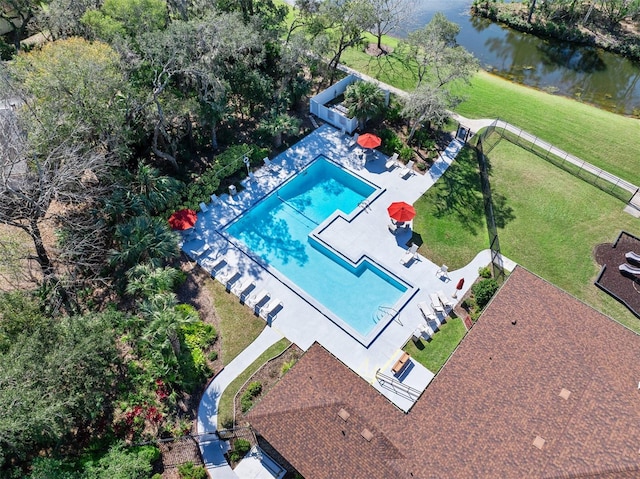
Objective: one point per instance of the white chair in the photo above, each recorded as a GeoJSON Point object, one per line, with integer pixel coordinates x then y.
{"type": "Point", "coordinates": [392, 162]}
{"type": "Point", "coordinates": [632, 256]}
{"type": "Point", "coordinates": [407, 169]}
{"type": "Point", "coordinates": [435, 303]}
{"type": "Point", "coordinates": [204, 208]}
{"type": "Point", "coordinates": [426, 331]}
{"type": "Point", "coordinates": [446, 302]}
{"type": "Point", "coordinates": [354, 140]}
{"type": "Point", "coordinates": [410, 254]}
{"type": "Point", "coordinates": [214, 265]}
{"type": "Point", "coordinates": [200, 251]}
{"type": "Point", "coordinates": [214, 199]}
{"type": "Point", "coordinates": [241, 286]}
{"type": "Point", "coordinates": [268, 163]}
{"type": "Point", "coordinates": [627, 268]}
{"type": "Point", "coordinates": [269, 310]}
{"type": "Point", "coordinates": [257, 298]}
{"type": "Point", "coordinates": [443, 271]}
{"type": "Point", "coordinates": [227, 276]}
{"type": "Point", "coordinates": [427, 312]}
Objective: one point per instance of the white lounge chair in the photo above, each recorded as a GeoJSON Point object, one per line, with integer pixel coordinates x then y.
{"type": "Point", "coordinates": [214, 199]}
{"type": "Point", "coordinates": [195, 253]}
{"type": "Point", "coordinates": [227, 275]}
{"type": "Point", "coordinates": [435, 303]}
{"type": "Point", "coordinates": [256, 299]}
{"type": "Point", "coordinates": [627, 268]}
{"type": "Point", "coordinates": [426, 331]}
{"type": "Point", "coordinates": [241, 286]}
{"type": "Point", "coordinates": [407, 169]}
{"type": "Point", "coordinates": [392, 162]}
{"type": "Point", "coordinates": [268, 163]}
{"type": "Point", "coordinates": [410, 255]}
{"type": "Point", "coordinates": [269, 310]}
{"type": "Point", "coordinates": [427, 312]}
{"type": "Point", "coordinates": [354, 140]}
{"type": "Point", "coordinates": [204, 208]}
{"type": "Point", "coordinates": [443, 271]}
{"type": "Point", "coordinates": [445, 300]}
{"type": "Point", "coordinates": [213, 264]}
{"type": "Point", "coordinates": [633, 256]}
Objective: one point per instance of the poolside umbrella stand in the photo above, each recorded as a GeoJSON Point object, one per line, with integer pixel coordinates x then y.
{"type": "Point", "coordinates": [369, 140]}
{"type": "Point", "coordinates": [401, 211]}
{"type": "Point", "coordinates": [183, 219]}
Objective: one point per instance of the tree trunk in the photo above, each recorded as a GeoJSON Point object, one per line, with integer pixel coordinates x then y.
{"type": "Point", "coordinates": [214, 136]}
{"type": "Point", "coordinates": [532, 7]}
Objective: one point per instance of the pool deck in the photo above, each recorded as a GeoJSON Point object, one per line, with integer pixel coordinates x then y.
{"type": "Point", "coordinates": [366, 233]}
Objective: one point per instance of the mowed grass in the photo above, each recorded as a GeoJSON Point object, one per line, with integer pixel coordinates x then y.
{"type": "Point", "coordinates": [434, 353]}
{"type": "Point", "coordinates": [550, 223]}
{"type": "Point", "coordinates": [238, 325]}
{"type": "Point", "coordinates": [225, 407]}
{"type": "Point", "coordinates": [606, 140]}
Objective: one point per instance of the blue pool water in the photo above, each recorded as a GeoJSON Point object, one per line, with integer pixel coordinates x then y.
{"type": "Point", "coordinates": [277, 229]}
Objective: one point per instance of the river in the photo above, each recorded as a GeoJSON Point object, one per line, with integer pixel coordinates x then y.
{"type": "Point", "coordinates": [587, 74]}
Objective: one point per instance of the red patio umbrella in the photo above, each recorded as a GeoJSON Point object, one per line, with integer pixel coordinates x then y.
{"type": "Point", "coordinates": [401, 211]}
{"type": "Point", "coordinates": [183, 219]}
{"type": "Point", "coordinates": [369, 140]}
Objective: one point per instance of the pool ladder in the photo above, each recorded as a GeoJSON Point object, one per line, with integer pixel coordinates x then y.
{"type": "Point", "coordinates": [383, 312]}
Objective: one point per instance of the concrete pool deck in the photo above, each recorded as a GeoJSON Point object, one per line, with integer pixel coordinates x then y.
{"type": "Point", "coordinates": [366, 233]}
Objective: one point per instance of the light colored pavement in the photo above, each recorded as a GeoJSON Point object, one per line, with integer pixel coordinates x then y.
{"type": "Point", "coordinates": [363, 233]}
{"type": "Point", "coordinates": [211, 447]}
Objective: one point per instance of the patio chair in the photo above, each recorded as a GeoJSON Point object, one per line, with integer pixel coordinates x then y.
{"type": "Point", "coordinates": [268, 163]}
{"type": "Point", "coordinates": [425, 331]}
{"type": "Point", "coordinates": [354, 140]}
{"type": "Point", "coordinates": [407, 169]}
{"type": "Point", "coordinates": [443, 271]}
{"type": "Point", "coordinates": [627, 268]}
{"type": "Point", "coordinates": [204, 208]}
{"type": "Point", "coordinates": [410, 255]}
{"type": "Point", "coordinates": [446, 302]}
{"type": "Point", "coordinates": [392, 162]}
{"type": "Point", "coordinates": [241, 286]}
{"type": "Point", "coordinates": [226, 277]}
{"type": "Point", "coordinates": [631, 256]}
{"type": "Point", "coordinates": [256, 299]}
{"type": "Point", "coordinates": [214, 265]}
{"type": "Point", "coordinates": [214, 199]}
{"type": "Point", "coordinates": [427, 312]}
{"type": "Point", "coordinates": [195, 253]}
{"type": "Point", "coordinates": [435, 303]}
{"type": "Point", "coordinates": [269, 310]}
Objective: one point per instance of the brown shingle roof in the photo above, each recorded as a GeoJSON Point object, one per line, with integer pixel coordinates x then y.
{"type": "Point", "coordinates": [480, 416]}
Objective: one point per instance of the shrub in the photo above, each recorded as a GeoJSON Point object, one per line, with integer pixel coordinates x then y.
{"type": "Point", "coordinates": [485, 272]}
{"type": "Point", "coordinates": [213, 355]}
{"type": "Point", "coordinates": [390, 141]}
{"type": "Point", "coordinates": [190, 471]}
{"type": "Point", "coordinates": [406, 153]}
{"type": "Point", "coordinates": [246, 401]}
{"type": "Point", "coordinates": [483, 291]}
{"type": "Point", "coordinates": [254, 388]}
{"type": "Point", "coordinates": [288, 365]}
{"type": "Point", "coordinates": [240, 448]}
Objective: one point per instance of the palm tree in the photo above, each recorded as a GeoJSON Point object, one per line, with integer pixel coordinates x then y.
{"type": "Point", "coordinates": [364, 100]}
{"type": "Point", "coordinates": [277, 124]}
{"type": "Point", "coordinates": [143, 239]}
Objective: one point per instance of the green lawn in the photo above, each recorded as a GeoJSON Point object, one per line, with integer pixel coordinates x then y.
{"type": "Point", "coordinates": [551, 222]}
{"type": "Point", "coordinates": [225, 409]}
{"type": "Point", "coordinates": [434, 353]}
{"type": "Point", "coordinates": [238, 325]}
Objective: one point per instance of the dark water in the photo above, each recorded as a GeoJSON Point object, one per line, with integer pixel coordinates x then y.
{"type": "Point", "coordinates": [584, 73]}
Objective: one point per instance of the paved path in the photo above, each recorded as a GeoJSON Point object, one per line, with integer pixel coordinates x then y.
{"type": "Point", "coordinates": [211, 448]}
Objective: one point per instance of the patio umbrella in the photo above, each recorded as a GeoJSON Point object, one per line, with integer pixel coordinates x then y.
{"type": "Point", "coordinates": [183, 219]}
{"type": "Point", "coordinates": [369, 140]}
{"type": "Point", "coordinates": [401, 211]}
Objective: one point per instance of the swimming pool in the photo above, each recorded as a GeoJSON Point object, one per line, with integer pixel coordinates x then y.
{"type": "Point", "coordinates": [278, 231]}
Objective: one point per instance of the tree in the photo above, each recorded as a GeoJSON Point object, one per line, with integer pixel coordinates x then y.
{"type": "Point", "coordinates": [364, 100]}
{"type": "Point", "coordinates": [123, 462]}
{"type": "Point", "coordinates": [126, 18]}
{"type": "Point", "coordinates": [426, 103]}
{"type": "Point", "coordinates": [57, 377]}
{"type": "Point", "coordinates": [64, 142]}
{"type": "Point", "coordinates": [60, 19]}
{"type": "Point", "coordinates": [278, 124]}
{"type": "Point", "coordinates": [388, 15]}
{"type": "Point", "coordinates": [17, 14]}
{"type": "Point", "coordinates": [439, 58]}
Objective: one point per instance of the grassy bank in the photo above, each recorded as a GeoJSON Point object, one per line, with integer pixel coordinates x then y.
{"type": "Point", "coordinates": [549, 222]}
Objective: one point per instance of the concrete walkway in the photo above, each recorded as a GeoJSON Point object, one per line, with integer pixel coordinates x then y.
{"type": "Point", "coordinates": [211, 448]}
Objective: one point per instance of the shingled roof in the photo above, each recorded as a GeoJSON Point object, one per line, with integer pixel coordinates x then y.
{"type": "Point", "coordinates": [543, 386]}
